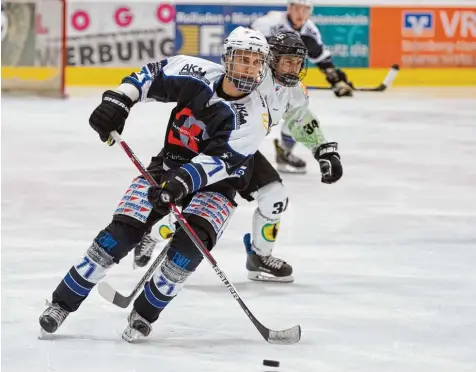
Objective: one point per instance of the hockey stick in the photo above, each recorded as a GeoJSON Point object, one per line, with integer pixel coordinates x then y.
{"type": "Point", "coordinates": [113, 296]}
{"type": "Point", "coordinates": [284, 337]}
{"type": "Point", "coordinates": [387, 82]}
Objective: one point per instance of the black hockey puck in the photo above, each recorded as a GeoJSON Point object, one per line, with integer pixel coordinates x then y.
{"type": "Point", "coordinates": [270, 363]}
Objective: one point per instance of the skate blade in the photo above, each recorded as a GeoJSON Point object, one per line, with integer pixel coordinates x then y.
{"type": "Point", "coordinates": [130, 335]}
{"type": "Point", "coordinates": [43, 335]}
{"type": "Point", "coordinates": [264, 277]}
{"type": "Point", "coordinates": [285, 168]}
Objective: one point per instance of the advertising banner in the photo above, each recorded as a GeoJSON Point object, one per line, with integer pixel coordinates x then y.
{"type": "Point", "coordinates": [345, 32]}
{"type": "Point", "coordinates": [201, 29]}
{"type": "Point", "coordinates": [30, 34]}
{"type": "Point", "coordinates": [246, 15]}
{"type": "Point", "coordinates": [115, 34]}
{"type": "Point", "coordinates": [423, 37]}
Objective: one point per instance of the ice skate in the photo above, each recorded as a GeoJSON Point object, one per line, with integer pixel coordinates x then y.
{"type": "Point", "coordinates": [137, 328]}
{"type": "Point", "coordinates": [52, 317]}
{"type": "Point", "coordinates": [287, 162]}
{"type": "Point", "coordinates": [145, 248]}
{"type": "Point", "coordinates": [266, 268]}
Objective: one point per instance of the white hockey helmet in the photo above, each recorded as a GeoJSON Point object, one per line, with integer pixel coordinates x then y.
{"type": "Point", "coordinates": [301, 2]}
{"type": "Point", "coordinates": [246, 58]}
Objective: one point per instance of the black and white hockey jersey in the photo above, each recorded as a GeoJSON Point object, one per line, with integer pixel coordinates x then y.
{"type": "Point", "coordinates": [208, 136]}
{"type": "Point", "coordinates": [276, 21]}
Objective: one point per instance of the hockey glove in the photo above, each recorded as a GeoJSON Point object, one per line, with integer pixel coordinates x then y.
{"type": "Point", "coordinates": [341, 86]}
{"type": "Point", "coordinates": [173, 187]}
{"type": "Point", "coordinates": [111, 114]}
{"type": "Point", "coordinates": [329, 161]}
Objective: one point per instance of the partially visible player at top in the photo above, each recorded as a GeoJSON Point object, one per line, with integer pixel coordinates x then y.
{"type": "Point", "coordinates": [296, 19]}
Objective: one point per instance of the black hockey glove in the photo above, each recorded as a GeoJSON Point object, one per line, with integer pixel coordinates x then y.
{"type": "Point", "coordinates": [329, 161]}
{"type": "Point", "coordinates": [175, 184]}
{"type": "Point", "coordinates": [111, 114]}
{"type": "Point", "coordinates": [341, 85]}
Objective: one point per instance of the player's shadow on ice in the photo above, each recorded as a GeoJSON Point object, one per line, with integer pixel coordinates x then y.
{"type": "Point", "coordinates": [199, 343]}
{"type": "Point", "coordinates": [82, 337]}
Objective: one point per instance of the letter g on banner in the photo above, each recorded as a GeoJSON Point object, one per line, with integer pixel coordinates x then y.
{"type": "Point", "coordinates": [123, 16]}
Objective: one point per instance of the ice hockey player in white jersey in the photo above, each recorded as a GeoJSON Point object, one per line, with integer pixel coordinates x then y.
{"type": "Point", "coordinates": [218, 123]}
{"type": "Point", "coordinates": [296, 19]}
{"type": "Point", "coordinates": [288, 100]}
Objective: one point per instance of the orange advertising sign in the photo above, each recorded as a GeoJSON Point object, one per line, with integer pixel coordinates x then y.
{"type": "Point", "coordinates": [423, 37]}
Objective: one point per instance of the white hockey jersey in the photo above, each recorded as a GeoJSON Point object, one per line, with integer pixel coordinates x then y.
{"type": "Point", "coordinates": [276, 21]}
{"type": "Point", "coordinates": [290, 107]}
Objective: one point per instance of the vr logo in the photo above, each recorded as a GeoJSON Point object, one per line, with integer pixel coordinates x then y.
{"type": "Point", "coordinates": [418, 24]}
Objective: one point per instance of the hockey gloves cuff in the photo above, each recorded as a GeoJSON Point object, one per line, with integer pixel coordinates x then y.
{"type": "Point", "coordinates": [111, 114]}
{"type": "Point", "coordinates": [329, 161]}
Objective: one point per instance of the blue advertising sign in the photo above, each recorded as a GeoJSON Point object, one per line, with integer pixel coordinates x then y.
{"type": "Point", "coordinates": [201, 29]}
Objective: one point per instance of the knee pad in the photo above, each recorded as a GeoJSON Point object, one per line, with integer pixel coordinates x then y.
{"type": "Point", "coordinates": [169, 278]}
{"type": "Point", "coordinates": [272, 200]}
{"type": "Point", "coordinates": [109, 247]}
{"type": "Point", "coordinates": [94, 264]}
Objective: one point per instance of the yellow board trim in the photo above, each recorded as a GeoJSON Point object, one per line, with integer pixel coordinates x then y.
{"type": "Point", "coordinates": [406, 77]}
{"type": "Point", "coordinates": [29, 73]}
{"type": "Point", "coordinates": [112, 76]}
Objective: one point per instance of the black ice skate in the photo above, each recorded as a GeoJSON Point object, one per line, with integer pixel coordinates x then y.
{"type": "Point", "coordinates": [144, 249]}
{"type": "Point", "coordinates": [138, 327]}
{"type": "Point", "coordinates": [52, 317]}
{"type": "Point", "coordinates": [287, 162]}
{"type": "Point", "coordinates": [266, 268]}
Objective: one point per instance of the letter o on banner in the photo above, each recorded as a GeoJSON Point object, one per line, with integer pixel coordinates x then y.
{"type": "Point", "coordinates": [80, 20]}
{"type": "Point", "coordinates": [165, 13]}
{"type": "Point", "coordinates": [123, 16]}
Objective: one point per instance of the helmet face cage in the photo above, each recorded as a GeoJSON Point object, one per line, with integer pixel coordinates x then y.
{"type": "Point", "coordinates": [245, 69]}
{"type": "Point", "coordinates": [283, 59]}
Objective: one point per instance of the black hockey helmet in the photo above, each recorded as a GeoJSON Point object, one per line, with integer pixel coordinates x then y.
{"type": "Point", "coordinates": [287, 44]}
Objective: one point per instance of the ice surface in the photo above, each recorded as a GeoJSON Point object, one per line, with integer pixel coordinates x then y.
{"type": "Point", "coordinates": [384, 260]}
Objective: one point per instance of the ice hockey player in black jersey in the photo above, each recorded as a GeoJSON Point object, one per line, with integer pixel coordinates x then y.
{"type": "Point", "coordinates": [217, 125]}
{"type": "Point", "coordinates": [289, 103]}
{"type": "Point", "coordinates": [296, 19]}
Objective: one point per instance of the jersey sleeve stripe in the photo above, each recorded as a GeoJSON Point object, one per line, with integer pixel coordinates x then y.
{"type": "Point", "coordinates": [194, 175]}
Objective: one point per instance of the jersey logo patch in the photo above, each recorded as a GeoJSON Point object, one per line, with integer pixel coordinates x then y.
{"type": "Point", "coordinates": [187, 131]}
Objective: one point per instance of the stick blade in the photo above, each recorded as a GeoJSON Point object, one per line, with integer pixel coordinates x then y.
{"type": "Point", "coordinates": [285, 337]}
{"type": "Point", "coordinates": [110, 294]}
